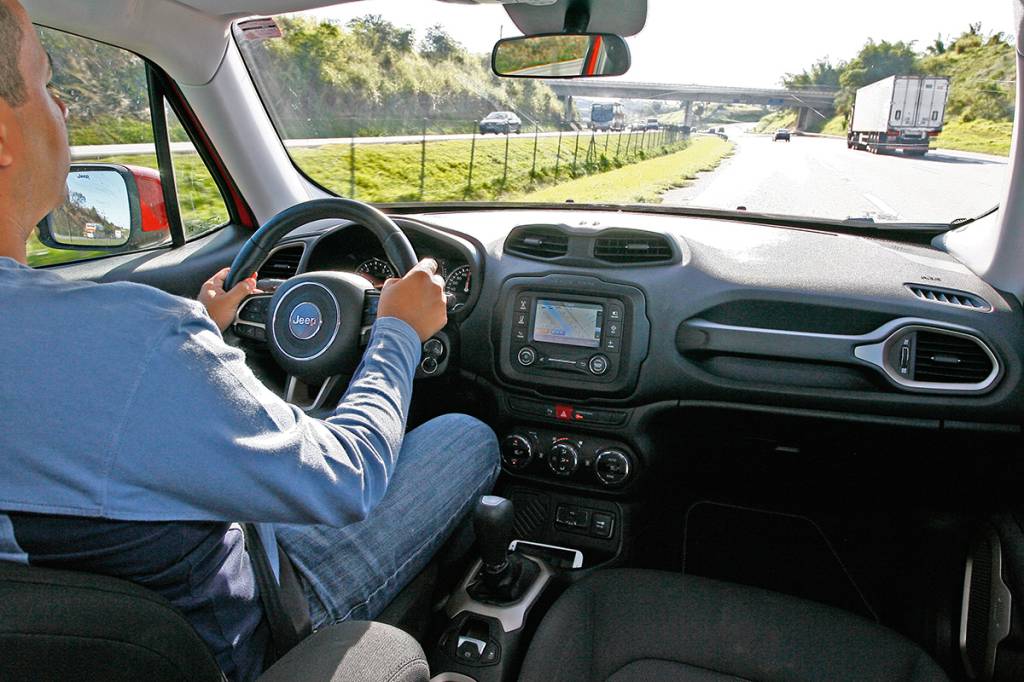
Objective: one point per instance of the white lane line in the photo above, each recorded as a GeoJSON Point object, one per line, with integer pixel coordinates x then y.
{"type": "Point", "coordinates": [882, 206]}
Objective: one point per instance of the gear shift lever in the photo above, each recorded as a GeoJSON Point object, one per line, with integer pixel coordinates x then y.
{"type": "Point", "coordinates": [492, 524]}
{"type": "Point", "coordinates": [505, 576]}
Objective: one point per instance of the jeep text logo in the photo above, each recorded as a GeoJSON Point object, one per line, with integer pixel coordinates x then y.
{"type": "Point", "coordinates": [304, 321]}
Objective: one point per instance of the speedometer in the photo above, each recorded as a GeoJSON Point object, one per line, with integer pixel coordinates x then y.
{"type": "Point", "coordinates": [459, 284]}
{"type": "Point", "coordinates": [377, 270]}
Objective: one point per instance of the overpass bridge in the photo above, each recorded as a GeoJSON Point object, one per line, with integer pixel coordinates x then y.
{"type": "Point", "coordinates": [803, 99]}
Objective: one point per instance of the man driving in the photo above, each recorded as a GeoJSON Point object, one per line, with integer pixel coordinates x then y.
{"type": "Point", "coordinates": [135, 439]}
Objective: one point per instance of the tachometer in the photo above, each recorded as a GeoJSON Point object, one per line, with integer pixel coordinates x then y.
{"type": "Point", "coordinates": [377, 270]}
{"type": "Point", "coordinates": [459, 285]}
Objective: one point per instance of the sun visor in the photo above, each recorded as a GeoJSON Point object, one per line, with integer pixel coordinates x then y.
{"type": "Point", "coordinates": [623, 17]}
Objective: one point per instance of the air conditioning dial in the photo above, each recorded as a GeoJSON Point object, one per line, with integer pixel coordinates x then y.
{"type": "Point", "coordinates": [612, 467]}
{"type": "Point", "coordinates": [564, 458]}
{"type": "Point", "coordinates": [516, 451]}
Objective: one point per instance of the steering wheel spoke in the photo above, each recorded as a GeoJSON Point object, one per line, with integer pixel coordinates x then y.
{"type": "Point", "coordinates": [309, 397]}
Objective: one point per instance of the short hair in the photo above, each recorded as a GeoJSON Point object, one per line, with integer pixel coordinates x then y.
{"type": "Point", "coordinates": [12, 85]}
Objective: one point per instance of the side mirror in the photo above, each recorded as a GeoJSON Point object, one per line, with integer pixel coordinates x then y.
{"type": "Point", "coordinates": [108, 207]}
{"type": "Point", "coordinates": [561, 55]}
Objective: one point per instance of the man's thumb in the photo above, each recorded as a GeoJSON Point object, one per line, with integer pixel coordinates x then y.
{"type": "Point", "coordinates": [241, 290]}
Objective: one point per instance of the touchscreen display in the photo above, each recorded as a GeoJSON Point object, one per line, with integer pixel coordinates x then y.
{"type": "Point", "coordinates": [568, 323]}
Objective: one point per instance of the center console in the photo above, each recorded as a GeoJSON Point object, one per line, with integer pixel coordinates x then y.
{"type": "Point", "coordinates": [573, 334]}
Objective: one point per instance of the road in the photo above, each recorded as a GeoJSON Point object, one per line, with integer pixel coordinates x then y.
{"type": "Point", "coordinates": [814, 176]}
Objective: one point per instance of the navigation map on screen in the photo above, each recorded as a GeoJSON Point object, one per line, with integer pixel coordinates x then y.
{"type": "Point", "coordinates": [567, 323]}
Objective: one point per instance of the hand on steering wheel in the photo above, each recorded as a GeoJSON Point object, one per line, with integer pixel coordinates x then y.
{"type": "Point", "coordinates": [418, 299]}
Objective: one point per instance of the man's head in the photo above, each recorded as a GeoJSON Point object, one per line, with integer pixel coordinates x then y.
{"type": "Point", "coordinates": [34, 154]}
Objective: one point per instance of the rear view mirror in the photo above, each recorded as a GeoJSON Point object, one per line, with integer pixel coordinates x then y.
{"type": "Point", "coordinates": [108, 207]}
{"type": "Point", "coordinates": [561, 55]}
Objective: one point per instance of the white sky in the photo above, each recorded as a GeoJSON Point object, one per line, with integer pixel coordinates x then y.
{"type": "Point", "coordinates": [730, 42]}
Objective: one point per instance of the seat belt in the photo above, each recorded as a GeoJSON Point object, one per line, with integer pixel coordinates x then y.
{"type": "Point", "coordinates": [284, 602]}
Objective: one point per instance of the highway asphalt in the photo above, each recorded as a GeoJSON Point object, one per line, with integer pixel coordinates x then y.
{"type": "Point", "coordinates": [820, 177]}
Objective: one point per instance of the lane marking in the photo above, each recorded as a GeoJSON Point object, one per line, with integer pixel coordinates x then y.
{"type": "Point", "coordinates": [882, 206]}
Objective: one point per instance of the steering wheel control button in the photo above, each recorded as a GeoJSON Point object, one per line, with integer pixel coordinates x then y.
{"type": "Point", "coordinates": [516, 452]}
{"type": "Point", "coordinates": [598, 364]}
{"type": "Point", "coordinates": [527, 356]}
{"type": "Point", "coordinates": [305, 321]}
{"type": "Point", "coordinates": [563, 459]}
{"type": "Point", "coordinates": [612, 467]}
{"type": "Point", "coordinates": [434, 348]}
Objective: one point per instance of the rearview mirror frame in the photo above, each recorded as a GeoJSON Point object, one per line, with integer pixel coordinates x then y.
{"type": "Point", "coordinates": [617, 45]}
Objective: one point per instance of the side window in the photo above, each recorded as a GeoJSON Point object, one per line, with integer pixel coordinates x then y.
{"type": "Point", "coordinates": [110, 122]}
{"type": "Point", "coordinates": [199, 200]}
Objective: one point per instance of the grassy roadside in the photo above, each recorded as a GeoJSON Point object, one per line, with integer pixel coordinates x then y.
{"type": "Point", "coordinates": [643, 182]}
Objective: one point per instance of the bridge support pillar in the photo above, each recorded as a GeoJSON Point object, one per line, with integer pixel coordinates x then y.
{"type": "Point", "coordinates": [687, 113]}
{"type": "Point", "coordinates": [569, 110]}
{"type": "Point", "coordinates": [804, 118]}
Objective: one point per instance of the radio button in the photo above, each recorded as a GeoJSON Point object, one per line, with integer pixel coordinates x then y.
{"type": "Point", "coordinates": [614, 329]}
{"type": "Point", "coordinates": [519, 334]}
{"type": "Point", "coordinates": [522, 304]}
{"type": "Point", "coordinates": [527, 356]}
{"type": "Point", "coordinates": [614, 313]}
{"type": "Point", "coordinates": [598, 364]}
{"type": "Point", "coordinates": [611, 345]}
{"type": "Point", "coordinates": [521, 319]}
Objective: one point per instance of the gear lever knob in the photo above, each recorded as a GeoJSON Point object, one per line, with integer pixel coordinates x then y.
{"type": "Point", "coordinates": [492, 524]}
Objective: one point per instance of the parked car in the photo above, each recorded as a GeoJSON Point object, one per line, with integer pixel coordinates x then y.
{"type": "Point", "coordinates": [781, 134]}
{"type": "Point", "coordinates": [652, 124]}
{"type": "Point", "coordinates": [500, 122]}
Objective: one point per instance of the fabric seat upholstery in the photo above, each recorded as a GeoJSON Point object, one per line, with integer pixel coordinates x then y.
{"type": "Point", "coordinates": [63, 625]}
{"type": "Point", "coordinates": [622, 625]}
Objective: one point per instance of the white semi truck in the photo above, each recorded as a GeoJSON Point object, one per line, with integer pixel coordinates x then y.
{"type": "Point", "coordinates": [898, 113]}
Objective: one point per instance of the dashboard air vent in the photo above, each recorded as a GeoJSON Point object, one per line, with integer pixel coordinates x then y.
{"type": "Point", "coordinates": [949, 297]}
{"type": "Point", "coordinates": [631, 247]}
{"type": "Point", "coordinates": [283, 263]}
{"type": "Point", "coordinates": [950, 359]}
{"type": "Point", "coordinates": [538, 242]}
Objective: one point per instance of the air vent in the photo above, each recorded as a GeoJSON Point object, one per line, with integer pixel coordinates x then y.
{"type": "Point", "coordinates": [283, 263]}
{"type": "Point", "coordinates": [949, 297]}
{"type": "Point", "coordinates": [943, 358]}
{"type": "Point", "coordinates": [538, 242]}
{"type": "Point", "coordinates": [630, 247]}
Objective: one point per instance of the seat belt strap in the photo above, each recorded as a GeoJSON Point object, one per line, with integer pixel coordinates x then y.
{"type": "Point", "coordinates": [284, 602]}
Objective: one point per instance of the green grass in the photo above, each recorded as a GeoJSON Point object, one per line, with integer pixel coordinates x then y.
{"type": "Point", "coordinates": [784, 118]}
{"type": "Point", "coordinates": [988, 137]}
{"type": "Point", "coordinates": [643, 182]}
{"type": "Point", "coordinates": [388, 173]}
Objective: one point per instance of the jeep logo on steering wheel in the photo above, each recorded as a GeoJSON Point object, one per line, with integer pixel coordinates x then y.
{"type": "Point", "coordinates": [304, 321]}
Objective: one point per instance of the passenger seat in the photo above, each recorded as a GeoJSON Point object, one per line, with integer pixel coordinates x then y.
{"type": "Point", "coordinates": [624, 624]}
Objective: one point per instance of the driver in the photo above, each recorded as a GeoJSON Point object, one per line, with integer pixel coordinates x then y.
{"type": "Point", "coordinates": [133, 437]}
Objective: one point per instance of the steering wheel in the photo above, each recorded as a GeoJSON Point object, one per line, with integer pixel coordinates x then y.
{"type": "Point", "coordinates": [316, 321]}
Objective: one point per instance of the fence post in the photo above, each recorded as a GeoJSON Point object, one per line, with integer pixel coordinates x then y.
{"type": "Point", "coordinates": [575, 153]}
{"type": "Point", "coordinates": [472, 156]}
{"type": "Point", "coordinates": [643, 138]}
{"type": "Point", "coordinates": [607, 139]}
{"type": "Point", "coordinates": [558, 152]}
{"type": "Point", "coordinates": [618, 144]}
{"type": "Point", "coordinates": [423, 157]}
{"type": "Point", "coordinates": [504, 174]}
{"type": "Point", "coordinates": [352, 167]}
{"type": "Point", "coordinates": [533, 169]}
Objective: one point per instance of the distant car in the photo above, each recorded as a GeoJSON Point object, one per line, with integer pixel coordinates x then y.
{"type": "Point", "coordinates": [721, 130]}
{"type": "Point", "coordinates": [500, 122]}
{"type": "Point", "coordinates": [781, 134]}
{"type": "Point", "coordinates": [652, 124]}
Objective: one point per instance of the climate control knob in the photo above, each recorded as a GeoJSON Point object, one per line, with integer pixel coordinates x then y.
{"type": "Point", "coordinates": [516, 452]}
{"type": "Point", "coordinates": [612, 467]}
{"type": "Point", "coordinates": [564, 458]}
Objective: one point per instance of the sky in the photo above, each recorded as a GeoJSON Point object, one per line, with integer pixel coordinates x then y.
{"type": "Point", "coordinates": [747, 43]}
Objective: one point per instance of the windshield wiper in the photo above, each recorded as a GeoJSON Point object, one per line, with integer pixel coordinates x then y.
{"type": "Point", "coordinates": [960, 222]}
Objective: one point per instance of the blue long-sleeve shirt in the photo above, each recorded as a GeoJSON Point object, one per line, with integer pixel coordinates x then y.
{"type": "Point", "coordinates": [120, 403]}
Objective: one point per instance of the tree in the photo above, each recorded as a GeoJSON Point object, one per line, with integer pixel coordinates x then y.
{"type": "Point", "coordinates": [438, 45]}
{"type": "Point", "coordinates": [378, 33]}
{"type": "Point", "coordinates": [822, 74]}
{"type": "Point", "coordinates": [937, 46]}
{"type": "Point", "coordinates": [874, 62]}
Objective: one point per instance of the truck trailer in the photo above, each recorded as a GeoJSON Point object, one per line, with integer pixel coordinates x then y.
{"type": "Point", "coordinates": [898, 113]}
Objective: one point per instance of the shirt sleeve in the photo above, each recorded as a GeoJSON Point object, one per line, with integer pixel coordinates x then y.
{"type": "Point", "coordinates": [204, 439]}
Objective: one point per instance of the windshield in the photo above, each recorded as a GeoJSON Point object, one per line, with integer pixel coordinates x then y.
{"type": "Point", "coordinates": [906, 120]}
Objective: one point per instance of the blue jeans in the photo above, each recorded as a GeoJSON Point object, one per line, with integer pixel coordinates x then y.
{"type": "Point", "coordinates": [355, 571]}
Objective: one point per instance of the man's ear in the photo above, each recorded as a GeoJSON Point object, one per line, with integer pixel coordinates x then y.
{"type": "Point", "coordinates": [6, 158]}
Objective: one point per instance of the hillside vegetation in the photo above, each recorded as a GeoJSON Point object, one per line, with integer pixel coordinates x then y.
{"type": "Point", "coordinates": [981, 68]}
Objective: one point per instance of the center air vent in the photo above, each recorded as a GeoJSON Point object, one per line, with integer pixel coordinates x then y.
{"type": "Point", "coordinates": [949, 297]}
{"type": "Point", "coordinates": [626, 246]}
{"type": "Point", "coordinates": [537, 242]}
{"type": "Point", "coordinates": [283, 263]}
{"type": "Point", "coordinates": [944, 358]}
